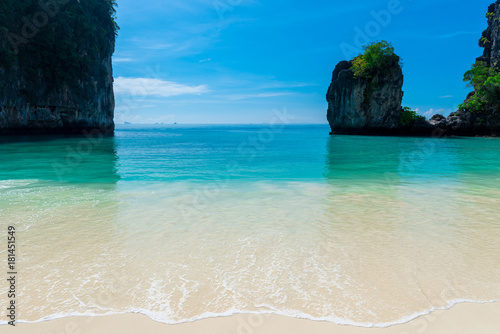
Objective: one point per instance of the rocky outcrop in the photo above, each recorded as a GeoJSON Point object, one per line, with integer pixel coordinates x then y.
{"type": "Point", "coordinates": [463, 123]}
{"type": "Point", "coordinates": [373, 106]}
{"type": "Point", "coordinates": [60, 79]}
{"type": "Point", "coordinates": [365, 106]}
{"type": "Point", "coordinates": [487, 121]}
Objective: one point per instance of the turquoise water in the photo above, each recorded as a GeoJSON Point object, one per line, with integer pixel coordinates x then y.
{"type": "Point", "coordinates": [188, 222]}
{"type": "Point", "coordinates": [244, 153]}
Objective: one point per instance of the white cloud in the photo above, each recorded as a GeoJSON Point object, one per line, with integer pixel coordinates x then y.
{"type": "Point", "coordinates": [445, 96]}
{"type": "Point", "coordinates": [455, 34]}
{"type": "Point", "coordinates": [252, 96]}
{"type": "Point", "coordinates": [155, 87]}
{"type": "Point", "coordinates": [157, 46]}
{"type": "Point", "coordinates": [123, 107]}
{"type": "Point", "coordinates": [122, 60]}
{"type": "Point", "coordinates": [121, 118]}
{"type": "Point", "coordinates": [429, 113]}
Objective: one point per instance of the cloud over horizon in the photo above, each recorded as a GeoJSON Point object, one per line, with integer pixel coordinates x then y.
{"type": "Point", "coordinates": [155, 87]}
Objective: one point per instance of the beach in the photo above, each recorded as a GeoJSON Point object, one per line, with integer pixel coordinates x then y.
{"type": "Point", "coordinates": [164, 226]}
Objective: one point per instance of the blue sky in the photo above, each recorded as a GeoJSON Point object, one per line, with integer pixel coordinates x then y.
{"type": "Point", "coordinates": [237, 61]}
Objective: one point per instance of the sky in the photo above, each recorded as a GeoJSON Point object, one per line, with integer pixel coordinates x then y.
{"type": "Point", "coordinates": [241, 61]}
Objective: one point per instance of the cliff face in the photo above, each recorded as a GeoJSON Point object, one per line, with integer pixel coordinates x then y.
{"type": "Point", "coordinates": [490, 40]}
{"type": "Point", "coordinates": [484, 122]}
{"type": "Point", "coordinates": [365, 106]}
{"type": "Point", "coordinates": [28, 107]}
{"type": "Point", "coordinates": [59, 80]}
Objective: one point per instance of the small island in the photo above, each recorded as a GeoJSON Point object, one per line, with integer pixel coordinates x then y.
{"type": "Point", "coordinates": [365, 95]}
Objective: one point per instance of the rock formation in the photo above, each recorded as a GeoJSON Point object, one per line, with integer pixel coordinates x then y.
{"type": "Point", "coordinates": [56, 74]}
{"type": "Point", "coordinates": [373, 105]}
{"type": "Point", "coordinates": [365, 106]}
{"type": "Point", "coordinates": [485, 122]}
{"type": "Point", "coordinates": [490, 39]}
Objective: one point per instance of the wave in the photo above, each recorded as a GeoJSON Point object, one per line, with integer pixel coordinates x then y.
{"type": "Point", "coordinates": [158, 317]}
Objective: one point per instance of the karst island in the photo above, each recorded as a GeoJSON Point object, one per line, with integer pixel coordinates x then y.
{"type": "Point", "coordinates": [366, 93]}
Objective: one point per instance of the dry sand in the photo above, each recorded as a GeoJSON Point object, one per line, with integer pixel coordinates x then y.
{"type": "Point", "coordinates": [466, 318]}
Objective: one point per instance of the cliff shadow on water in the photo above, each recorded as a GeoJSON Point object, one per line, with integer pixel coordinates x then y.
{"type": "Point", "coordinates": [56, 158]}
{"type": "Point", "coordinates": [382, 163]}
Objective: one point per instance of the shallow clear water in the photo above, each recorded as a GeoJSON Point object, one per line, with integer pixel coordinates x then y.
{"type": "Point", "coordinates": [187, 222]}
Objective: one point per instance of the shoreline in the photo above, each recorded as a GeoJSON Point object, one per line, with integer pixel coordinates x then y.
{"type": "Point", "coordinates": [466, 317]}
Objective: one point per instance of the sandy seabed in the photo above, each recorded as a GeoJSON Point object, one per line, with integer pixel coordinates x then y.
{"type": "Point", "coordinates": [466, 318]}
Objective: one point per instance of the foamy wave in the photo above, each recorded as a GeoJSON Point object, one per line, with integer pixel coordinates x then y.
{"type": "Point", "coordinates": [159, 317]}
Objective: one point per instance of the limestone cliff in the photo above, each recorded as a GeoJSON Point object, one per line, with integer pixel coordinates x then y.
{"type": "Point", "coordinates": [490, 39]}
{"type": "Point", "coordinates": [55, 66]}
{"type": "Point", "coordinates": [365, 94]}
{"type": "Point", "coordinates": [365, 105]}
{"type": "Point", "coordinates": [480, 114]}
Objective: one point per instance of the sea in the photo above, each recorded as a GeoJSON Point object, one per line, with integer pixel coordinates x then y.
{"type": "Point", "coordinates": [186, 222]}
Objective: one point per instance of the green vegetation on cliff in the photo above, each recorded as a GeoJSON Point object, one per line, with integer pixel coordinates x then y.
{"type": "Point", "coordinates": [408, 117]}
{"type": "Point", "coordinates": [377, 57]}
{"type": "Point", "coordinates": [486, 83]}
{"type": "Point", "coordinates": [58, 42]}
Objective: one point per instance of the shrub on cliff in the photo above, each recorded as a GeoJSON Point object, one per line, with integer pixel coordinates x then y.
{"type": "Point", "coordinates": [486, 83]}
{"type": "Point", "coordinates": [377, 57]}
{"type": "Point", "coordinates": [408, 117]}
